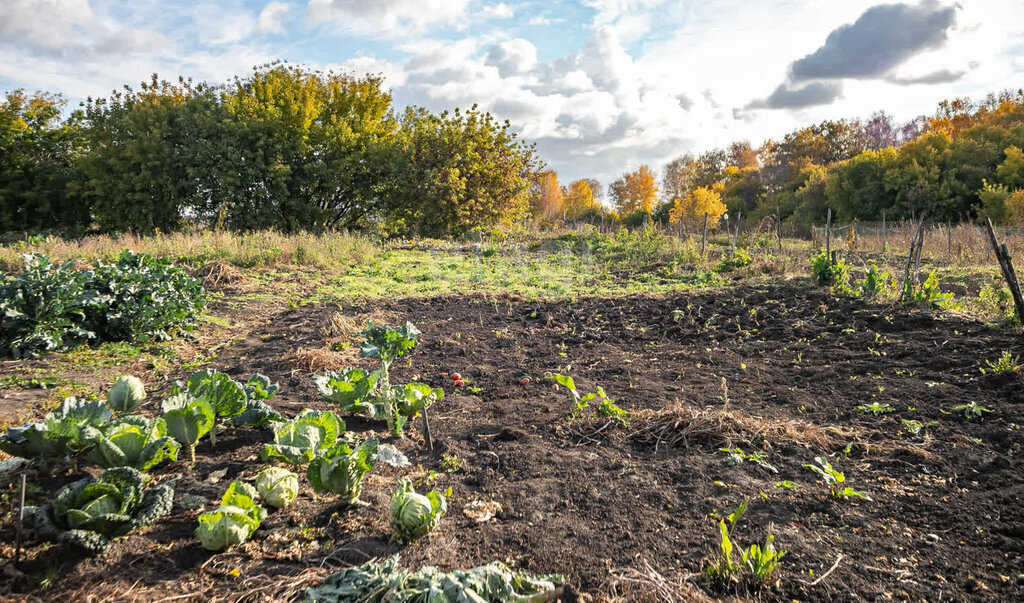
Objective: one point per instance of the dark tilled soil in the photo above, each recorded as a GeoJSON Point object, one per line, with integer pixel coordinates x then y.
{"type": "Point", "coordinates": [586, 497]}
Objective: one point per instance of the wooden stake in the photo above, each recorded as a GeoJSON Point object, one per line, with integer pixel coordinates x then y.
{"type": "Point", "coordinates": [736, 239]}
{"type": "Point", "coordinates": [426, 431]}
{"type": "Point", "coordinates": [1006, 264]}
{"type": "Point", "coordinates": [704, 237]}
{"type": "Point", "coordinates": [949, 238]}
{"type": "Point", "coordinates": [778, 226]}
{"type": "Point", "coordinates": [883, 232]}
{"type": "Point", "coordinates": [19, 522]}
{"type": "Point", "coordinates": [910, 260]}
{"type": "Point", "coordinates": [920, 245]}
{"type": "Point", "coordinates": [828, 235]}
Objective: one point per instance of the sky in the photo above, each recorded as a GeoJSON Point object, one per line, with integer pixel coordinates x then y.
{"type": "Point", "coordinates": [601, 86]}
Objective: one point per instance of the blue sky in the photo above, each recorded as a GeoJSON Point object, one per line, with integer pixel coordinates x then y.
{"type": "Point", "coordinates": [602, 86]}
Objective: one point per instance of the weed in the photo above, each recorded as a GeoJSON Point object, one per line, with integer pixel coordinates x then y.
{"type": "Point", "coordinates": [875, 409]}
{"type": "Point", "coordinates": [739, 259]}
{"type": "Point", "coordinates": [760, 561]}
{"type": "Point", "coordinates": [1004, 365]}
{"type": "Point", "coordinates": [606, 407]}
{"type": "Point", "coordinates": [972, 410]}
{"type": "Point", "coordinates": [452, 463]}
{"type": "Point", "coordinates": [737, 456]}
{"type": "Point", "coordinates": [834, 479]}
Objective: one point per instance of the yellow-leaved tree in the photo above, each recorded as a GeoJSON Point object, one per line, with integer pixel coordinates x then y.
{"type": "Point", "coordinates": [691, 208]}
{"type": "Point", "coordinates": [635, 191]}
{"type": "Point", "coordinates": [549, 195]}
{"type": "Point", "coordinates": [578, 199]}
{"type": "Point", "coordinates": [1015, 207]}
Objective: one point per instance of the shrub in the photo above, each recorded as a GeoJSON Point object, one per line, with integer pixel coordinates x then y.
{"type": "Point", "coordinates": [48, 308]}
{"type": "Point", "coordinates": [826, 273]}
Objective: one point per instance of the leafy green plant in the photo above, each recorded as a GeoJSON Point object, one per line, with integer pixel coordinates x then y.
{"type": "Point", "coordinates": [50, 308]}
{"type": "Point", "coordinates": [341, 469]}
{"type": "Point", "coordinates": [90, 512]}
{"type": "Point", "coordinates": [736, 456]}
{"type": "Point", "coordinates": [42, 308]}
{"type": "Point", "coordinates": [928, 294]}
{"type": "Point", "coordinates": [371, 393]}
{"type": "Point", "coordinates": [723, 564]}
{"type": "Point", "coordinates": [188, 419]}
{"type": "Point", "coordinates": [834, 479]}
{"type": "Point", "coordinates": [304, 438]}
{"type": "Point", "coordinates": [606, 407]}
{"type": "Point", "coordinates": [132, 441]}
{"type": "Point", "coordinates": [826, 273]}
{"type": "Point", "coordinates": [277, 486]}
{"type": "Point", "coordinates": [1006, 364]}
{"type": "Point", "coordinates": [762, 560]}
{"type": "Point", "coordinates": [379, 582]}
{"type": "Point", "coordinates": [972, 410]}
{"type": "Point", "coordinates": [875, 283]}
{"type": "Point", "coordinates": [739, 259]}
{"type": "Point", "coordinates": [126, 393]}
{"type": "Point", "coordinates": [874, 409]}
{"type": "Point", "coordinates": [414, 515]}
{"type": "Point", "coordinates": [234, 521]}
{"type": "Point", "coordinates": [141, 298]}
{"type": "Point", "coordinates": [914, 427]}
{"type": "Point", "coordinates": [60, 436]}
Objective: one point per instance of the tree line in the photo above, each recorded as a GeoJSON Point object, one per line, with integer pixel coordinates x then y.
{"type": "Point", "coordinates": [289, 148]}
{"type": "Point", "coordinates": [963, 162]}
{"type": "Point", "coordinates": [285, 148]}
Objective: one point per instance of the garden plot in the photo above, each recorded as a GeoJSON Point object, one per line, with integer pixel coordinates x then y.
{"type": "Point", "coordinates": [729, 396]}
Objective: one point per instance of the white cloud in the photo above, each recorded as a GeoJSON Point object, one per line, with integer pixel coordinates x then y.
{"type": "Point", "coordinates": [272, 17]}
{"type": "Point", "coordinates": [498, 11]}
{"type": "Point", "coordinates": [67, 28]}
{"type": "Point", "coordinates": [384, 17]}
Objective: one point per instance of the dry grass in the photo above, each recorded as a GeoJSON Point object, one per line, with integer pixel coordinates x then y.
{"type": "Point", "coordinates": [646, 585]}
{"type": "Point", "coordinates": [682, 426]}
{"type": "Point", "coordinates": [331, 251]}
{"type": "Point", "coordinates": [219, 272]}
{"type": "Point", "coordinates": [316, 360]}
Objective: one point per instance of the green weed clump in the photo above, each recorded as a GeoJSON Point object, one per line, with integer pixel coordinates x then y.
{"type": "Point", "coordinates": [50, 308]}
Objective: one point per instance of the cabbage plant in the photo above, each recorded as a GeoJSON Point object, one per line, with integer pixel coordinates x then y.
{"type": "Point", "coordinates": [233, 521]}
{"type": "Point", "coordinates": [357, 390]}
{"type": "Point", "coordinates": [341, 469]}
{"type": "Point", "coordinates": [187, 420]}
{"type": "Point", "coordinates": [133, 441]}
{"type": "Point", "coordinates": [90, 512]}
{"type": "Point", "coordinates": [61, 433]}
{"type": "Point", "coordinates": [304, 438]}
{"type": "Point", "coordinates": [414, 515]}
{"type": "Point", "coordinates": [277, 486]}
{"type": "Point", "coordinates": [126, 393]}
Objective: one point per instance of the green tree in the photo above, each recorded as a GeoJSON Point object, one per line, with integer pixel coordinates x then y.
{"type": "Point", "coordinates": [459, 171]}
{"type": "Point", "coordinates": [37, 164]}
{"type": "Point", "coordinates": [302, 149]}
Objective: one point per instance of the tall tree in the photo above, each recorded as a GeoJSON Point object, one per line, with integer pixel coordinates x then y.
{"type": "Point", "coordinates": [578, 198]}
{"type": "Point", "coordinates": [549, 195]}
{"type": "Point", "coordinates": [635, 191]}
{"type": "Point", "coordinates": [37, 164]}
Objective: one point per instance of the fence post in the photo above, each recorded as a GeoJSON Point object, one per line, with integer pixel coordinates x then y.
{"type": "Point", "coordinates": [1006, 264]}
{"type": "Point", "coordinates": [778, 226]}
{"type": "Point", "coordinates": [704, 236]}
{"type": "Point", "coordinates": [828, 235]}
{"type": "Point", "coordinates": [883, 232]}
{"type": "Point", "coordinates": [949, 239]}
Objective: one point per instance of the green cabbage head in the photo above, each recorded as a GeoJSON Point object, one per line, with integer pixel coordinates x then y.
{"type": "Point", "coordinates": [126, 393]}
{"type": "Point", "coordinates": [90, 512]}
{"type": "Point", "coordinates": [304, 438]}
{"type": "Point", "coordinates": [277, 486]}
{"type": "Point", "coordinates": [413, 515]}
{"type": "Point", "coordinates": [342, 468]}
{"type": "Point", "coordinates": [234, 521]}
{"type": "Point", "coordinates": [133, 441]}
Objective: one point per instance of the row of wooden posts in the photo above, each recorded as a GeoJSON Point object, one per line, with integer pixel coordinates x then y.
{"type": "Point", "coordinates": [914, 256]}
